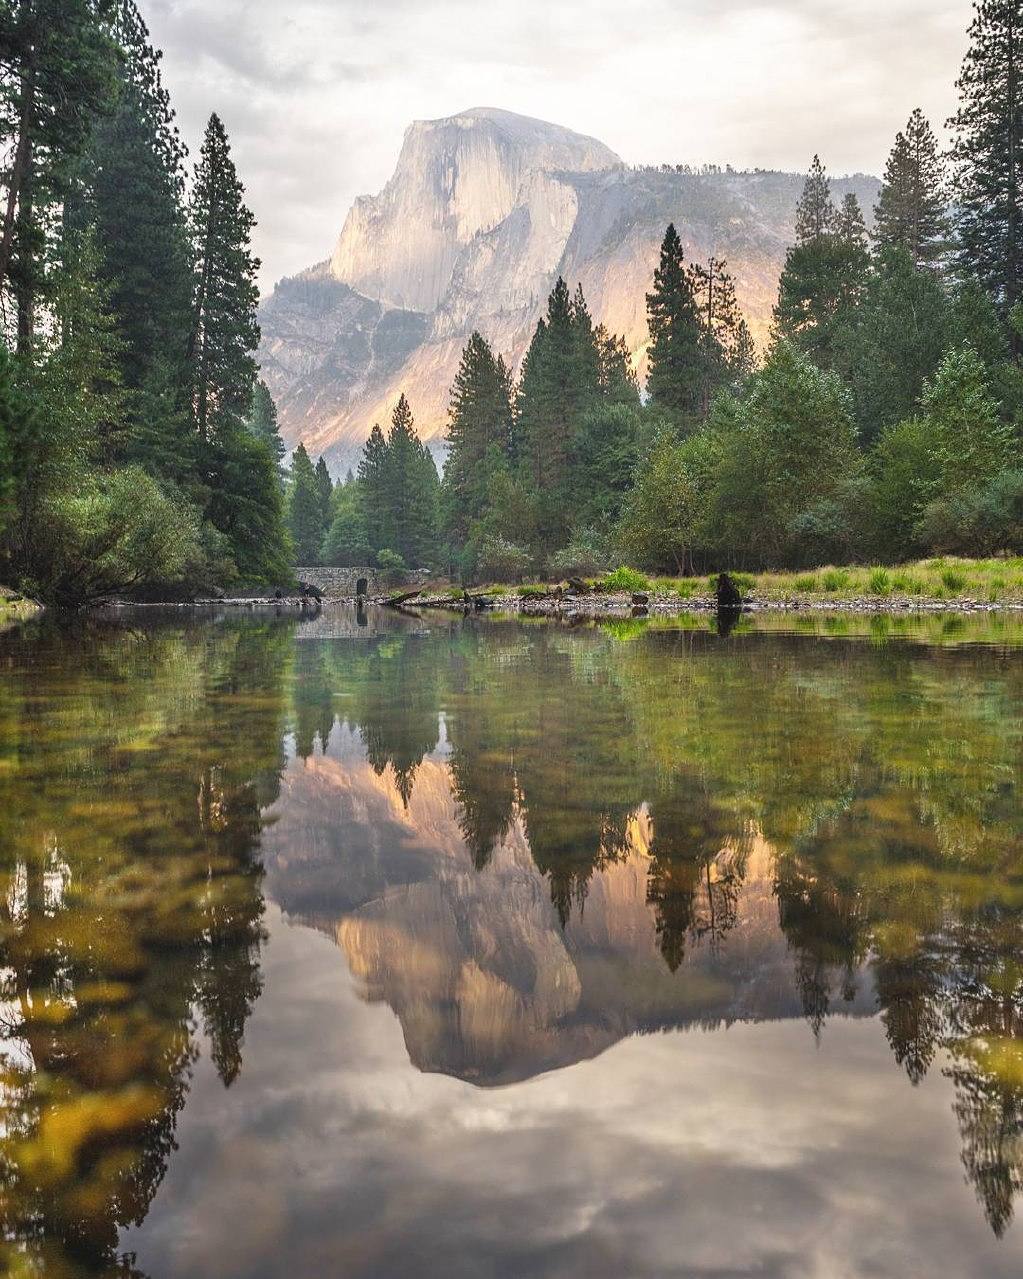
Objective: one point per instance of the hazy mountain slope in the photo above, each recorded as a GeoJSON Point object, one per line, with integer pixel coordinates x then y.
{"type": "Point", "coordinates": [482, 214]}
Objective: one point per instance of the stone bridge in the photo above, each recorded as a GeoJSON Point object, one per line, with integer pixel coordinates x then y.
{"type": "Point", "coordinates": [340, 583]}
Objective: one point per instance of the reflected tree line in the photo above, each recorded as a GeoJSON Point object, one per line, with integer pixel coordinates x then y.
{"type": "Point", "coordinates": [133, 783]}
{"type": "Point", "coordinates": [883, 776]}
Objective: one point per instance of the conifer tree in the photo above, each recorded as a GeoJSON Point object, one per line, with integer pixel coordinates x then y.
{"type": "Point", "coordinates": [988, 151]}
{"type": "Point", "coordinates": [677, 356]}
{"type": "Point", "coordinates": [134, 172]}
{"type": "Point", "coordinates": [816, 214]}
{"type": "Point", "coordinates": [373, 486]}
{"type": "Point", "coordinates": [411, 489]}
{"type": "Point", "coordinates": [325, 488]}
{"type": "Point", "coordinates": [263, 426]}
{"type": "Point", "coordinates": [850, 226]}
{"type": "Point", "coordinates": [825, 272]}
{"type": "Point", "coordinates": [305, 514]}
{"type": "Point", "coordinates": [57, 64]}
{"type": "Point", "coordinates": [479, 433]}
{"type": "Point", "coordinates": [224, 332]}
{"type": "Point", "coordinates": [910, 211]}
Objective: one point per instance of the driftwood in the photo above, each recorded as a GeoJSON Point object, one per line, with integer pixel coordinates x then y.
{"type": "Point", "coordinates": [465, 601]}
{"type": "Point", "coordinates": [396, 601]}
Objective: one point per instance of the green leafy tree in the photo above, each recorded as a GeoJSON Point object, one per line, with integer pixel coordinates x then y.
{"type": "Point", "coordinates": [987, 152]}
{"type": "Point", "coordinates": [678, 353]}
{"type": "Point", "coordinates": [663, 512]}
{"type": "Point", "coordinates": [347, 541]}
{"type": "Point", "coordinates": [970, 441]}
{"type": "Point", "coordinates": [246, 504]}
{"type": "Point", "coordinates": [305, 514]}
{"type": "Point", "coordinates": [911, 208]}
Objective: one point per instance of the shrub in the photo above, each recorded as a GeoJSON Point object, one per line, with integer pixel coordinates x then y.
{"type": "Point", "coordinates": [581, 558]}
{"type": "Point", "coordinates": [880, 582]}
{"type": "Point", "coordinates": [626, 580]}
{"type": "Point", "coordinates": [834, 579]}
{"type": "Point", "coordinates": [392, 567]}
{"type": "Point", "coordinates": [502, 561]}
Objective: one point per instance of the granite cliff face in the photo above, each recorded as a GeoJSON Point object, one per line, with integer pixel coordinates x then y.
{"type": "Point", "coordinates": [484, 211]}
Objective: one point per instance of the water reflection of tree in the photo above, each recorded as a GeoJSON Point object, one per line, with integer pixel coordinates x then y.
{"type": "Point", "coordinates": [129, 892]}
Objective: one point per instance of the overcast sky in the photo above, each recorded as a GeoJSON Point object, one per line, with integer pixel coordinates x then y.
{"type": "Point", "coordinates": [316, 94]}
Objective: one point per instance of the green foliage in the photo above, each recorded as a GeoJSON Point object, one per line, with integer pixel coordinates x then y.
{"type": "Point", "coordinates": [392, 567]}
{"type": "Point", "coordinates": [479, 436]}
{"type": "Point", "coordinates": [262, 424]}
{"type": "Point", "coordinates": [305, 511]}
{"type": "Point", "coordinates": [625, 580]}
{"type": "Point", "coordinates": [680, 358]}
{"type": "Point", "coordinates": [116, 534]}
{"type": "Point", "coordinates": [347, 543]}
{"type": "Point", "coordinates": [880, 582]}
{"type": "Point", "coordinates": [502, 561]}
{"type": "Point", "coordinates": [911, 208]}
{"type": "Point", "coordinates": [585, 556]}
{"type": "Point", "coordinates": [662, 518]}
{"type": "Point", "coordinates": [411, 491]}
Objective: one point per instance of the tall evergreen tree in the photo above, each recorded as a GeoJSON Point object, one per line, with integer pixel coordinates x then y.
{"type": "Point", "coordinates": [263, 426]}
{"type": "Point", "coordinates": [224, 332]}
{"type": "Point", "coordinates": [134, 169]}
{"type": "Point", "coordinates": [988, 151]}
{"type": "Point", "coordinates": [305, 513]}
{"type": "Point", "coordinates": [479, 434]}
{"type": "Point", "coordinates": [373, 486]}
{"type": "Point", "coordinates": [911, 207]}
{"type": "Point", "coordinates": [412, 490]}
{"type": "Point", "coordinates": [825, 272]}
{"type": "Point", "coordinates": [677, 356]}
{"type": "Point", "coordinates": [325, 488]}
{"type": "Point", "coordinates": [724, 330]}
{"type": "Point", "coordinates": [816, 214]}
{"type": "Point", "coordinates": [57, 63]}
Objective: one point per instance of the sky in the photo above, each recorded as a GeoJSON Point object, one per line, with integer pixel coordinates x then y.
{"type": "Point", "coordinates": [316, 94]}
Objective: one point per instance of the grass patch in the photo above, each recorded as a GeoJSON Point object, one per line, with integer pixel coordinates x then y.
{"type": "Point", "coordinates": [626, 580]}
{"type": "Point", "coordinates": [954, 580]}
{"type": "Point", "coordinates": [879, 582]}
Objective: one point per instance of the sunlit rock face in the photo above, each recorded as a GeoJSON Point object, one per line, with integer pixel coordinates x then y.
{"type": "Point", "coordinates": [485, 209]}
{"type": "Point", "coordinates": [487, 981]}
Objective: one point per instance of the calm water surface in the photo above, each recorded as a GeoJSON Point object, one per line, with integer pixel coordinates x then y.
{"type": "Point", "coordinates": [441, 948]}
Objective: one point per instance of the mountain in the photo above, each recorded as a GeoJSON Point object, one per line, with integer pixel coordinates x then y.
{"type": "Point", "coordinates": [484, 211]}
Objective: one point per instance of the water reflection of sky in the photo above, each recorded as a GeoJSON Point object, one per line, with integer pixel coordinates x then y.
{"type": "Point", "coordinates": [730, 1152]}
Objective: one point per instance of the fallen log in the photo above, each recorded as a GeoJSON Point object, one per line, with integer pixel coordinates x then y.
{"type": "Point", "coordinates": [396, 601]}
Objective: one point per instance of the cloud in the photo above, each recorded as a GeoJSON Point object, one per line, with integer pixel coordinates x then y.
{"type": "Point", "coordinates": [316, 94]}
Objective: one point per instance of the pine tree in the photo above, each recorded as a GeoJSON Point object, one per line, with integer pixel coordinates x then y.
{"type": "Point", "coordinates": [411, 488]}
{"type": "Point", "coordinates": [134, 171]}
{"type": "Point", "coordinates": [325, 489]}
{"type": "Point", "coordinates": [263, 426]}
{"type": "Point", "coordinates": [816, 214]}
{"type": "Point", "coordinates": [305, 514]}
{"type": "Point", "coordinates": [677, 356]}
{"type": "Point", "coordinates": [479, 428]}
{"type": "Point", "coordinates": [850, 226]}
{"type": "Point", "coordinates": [224, 332]}
{"type": "Point", "coordinates": [988, 151]}
{"type": "Point", "coordinates": [825, 273]}
{"type": "Point", "coordinates": [57, 64]}
{"type": "Point", "coordinates": [724, 329]}
{"type": "Point", "coordinates": [910, 211]}
{"type": "Point", "coordinates": [373, 485]}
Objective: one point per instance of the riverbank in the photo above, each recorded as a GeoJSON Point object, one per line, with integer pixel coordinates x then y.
{"type": "Point", "coordinates": [15, 608]}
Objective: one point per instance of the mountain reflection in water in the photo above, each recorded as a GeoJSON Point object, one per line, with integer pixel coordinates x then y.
{"type": "Point", "coordinates": [531, 844]}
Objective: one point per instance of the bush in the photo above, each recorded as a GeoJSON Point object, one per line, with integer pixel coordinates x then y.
{"type": "Point", "coordinates": [118, 534]}
{"type": "Point", "coordinates": [581, 558]}
{"type": "Point", "coordinates": [834, 579]}
{"type": "Point", "coordinates": [502, 561]}
{"type": "Point", "coordinates": [392, 567]}
{"type": "Point", "coordinates": [625, 580]}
